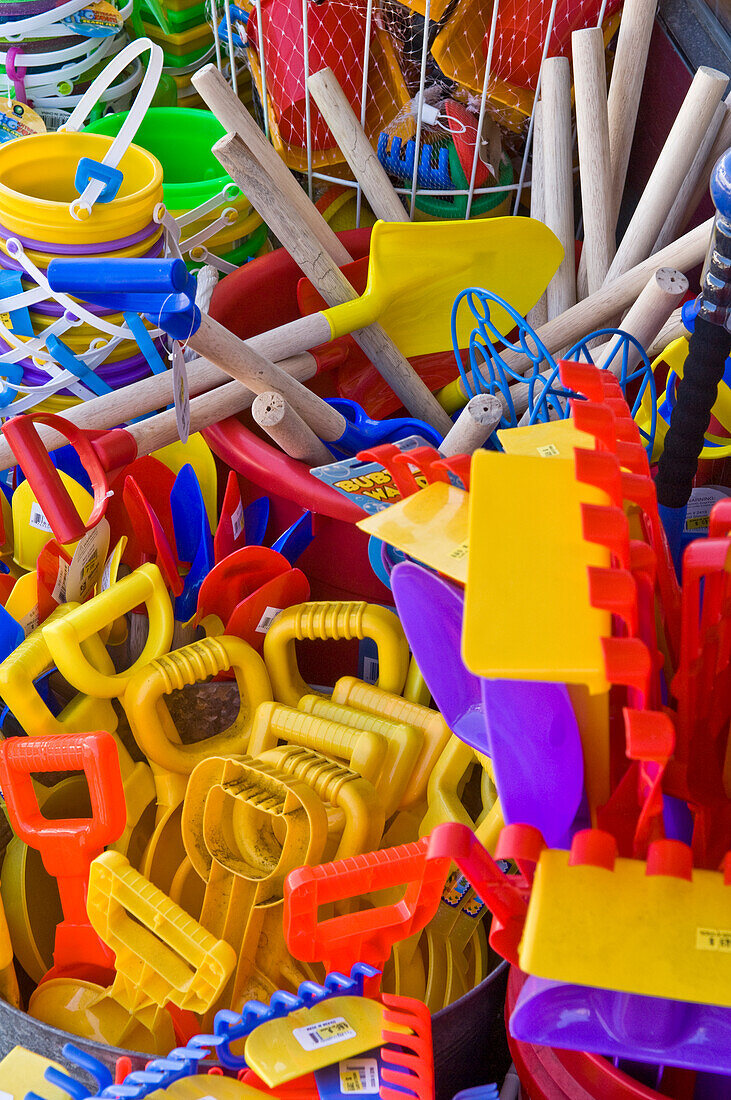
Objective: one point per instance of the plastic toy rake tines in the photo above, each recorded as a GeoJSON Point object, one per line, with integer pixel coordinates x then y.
{"type": "Point", "coordinates": [506, 897]}
{"type": "Point", "coordinates": [407, 1061]}
{"type": "Point", "coordinates": [367, 936]}
{"type": "Point", "coordinates": [103, 454]}
{"type": "Point", "coordinates": [404, 466]}
{"type": "Point", "coordinates": [67, 846]}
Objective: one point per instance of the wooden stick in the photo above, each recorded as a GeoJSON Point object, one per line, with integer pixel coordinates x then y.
{"type": "Point", "coordinates": [539, 314]}
{"type": "Point", "coordinates": [651, 310]}
{"type": "Point", "coordinates": [592, 129]}
{"type": "Point", "coordinates": [695, 185]}
{"type": "Point", "coordinates": [670, 170]}
{"type": "Point", "coordinates": [279, 420]}
{"type": "Point", "coordinates": [243, 362]}
{"type": "Point", "coordinates": [160, 430]}
{"type": "Point", "coordinates": [661, 295]}
{"type": "Point", "coordinates": [355, 146]}
{"type": "Point", "coordinates": [478, 420]}
{"type": "Point", "coordinates": [684, 254]}
{"type": "Point", "coordinates": [270, 187]}
{"type": "Point", "coordinates": [558, 174]}
{"type": "Point", "coordinates": [673, 329]}
{"type": "Point", "coordinates": [628, 74]}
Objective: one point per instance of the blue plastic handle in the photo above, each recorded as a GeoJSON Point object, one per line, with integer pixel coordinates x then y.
{"type": "Point", "coordinates": [362, 431]}
{"type": "Point", "coordinates": [164, 290]}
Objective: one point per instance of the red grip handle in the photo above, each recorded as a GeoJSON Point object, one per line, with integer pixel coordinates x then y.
{"type": "Point", "coordinates": [113, 451]}
{"type": "Point", "coordinates": [369, 935]}
{"type": "Point", "coordinates": [66, 845]}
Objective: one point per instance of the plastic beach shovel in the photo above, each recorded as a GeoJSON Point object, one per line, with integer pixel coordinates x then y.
{"type": "Point", "coordinates": [528, 728]}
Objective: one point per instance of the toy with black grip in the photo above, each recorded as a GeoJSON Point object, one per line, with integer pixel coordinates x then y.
{"type": "Point", "coordinates": [709, 346]}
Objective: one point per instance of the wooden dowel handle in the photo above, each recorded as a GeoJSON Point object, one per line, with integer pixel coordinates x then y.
{"type": "Point", "coordinates": [327, 277]}
{"type": "Point", "coordinates": [231, 113]}
{"type": "Point", "coordinates": [628, 74]}
{"type": "Point", "coordinates": [673, 329]}
{"type": "Point", "coordinates": [162, 429]}
{"type": "Point", "coordinates": [280, 421]}
{"type": "Point", "coordinates": [355, 146]}
{"type": "Point", "coordinates": [592, 129]}
{"type": "Point", "coordinates": [695, 185]}
{"type": "Point", "coordinates": [664, 290]}
{"type": "Point", "coordinates": [671, 168]}
{"type": "Point", "coordinates": [558, 174]}
{"type": "Point", "coordinates": [539, 314]}
{"type": "Point", "coordinates": [478, 420]}
{"type": "Point", "coordinates": [247, 365]}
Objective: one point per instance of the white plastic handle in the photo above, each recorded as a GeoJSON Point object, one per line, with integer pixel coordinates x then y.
{"type": "Point", "coordinates": [115, 98]}
{"type": "Point", "coordinates": [81, 208]}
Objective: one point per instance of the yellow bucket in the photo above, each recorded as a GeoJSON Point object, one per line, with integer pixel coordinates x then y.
{"type": "Point", "coordinates": [37, 186]}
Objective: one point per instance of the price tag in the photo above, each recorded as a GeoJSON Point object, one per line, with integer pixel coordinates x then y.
{"type": "Point", "coordinates": [181, 393]}
{"type": "Point", "coordinates": [38, 519]}
{"type": "Point", "coordinates": [98, 20]}
{"type": "Point", "coordinates": [87, 563]}
{"type": "Point", "coordinates": [18, 120]}
{"type": "Point", "coordinates": [267, 619]}
{"type": "Point", "coordinates": [324, 1034]}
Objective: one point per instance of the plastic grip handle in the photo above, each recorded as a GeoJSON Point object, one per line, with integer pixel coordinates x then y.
{"type": "Point", "coordinates": [708, 349]}
{"type": "Point", "coordinates": [81, 278]}
{"type": "Point", "coordinates": [150, 719]}
{"type": "Point", "coordinates": [64, 636]}
{"type": "Point", "coordinates": [364, 751]}
{"type": "Point", "coordinates": [369, 935]}
{"type": "Point", "coordinates": [333, 621]}
{"type": "Point", "coordinates": [65, 844]}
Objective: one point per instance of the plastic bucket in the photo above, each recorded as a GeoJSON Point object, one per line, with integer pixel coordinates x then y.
{"type": "Point", "coordinates": [37, 184]}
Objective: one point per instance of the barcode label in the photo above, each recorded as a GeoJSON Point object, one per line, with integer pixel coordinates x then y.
{"type": "Point", "coordinates": [550, 450]}
{"type": "Point", "coordinates": [370, 669]}
{"type": "Point", "coordinates": [267, 619]}
{"type": "Point", "coordinates": [324, 1034]}
{"type": "Point", "coordinates": [59, 588]}
{"type": "Point", "coordinates": [359, 1075]}
{"type": "Point", "coordinates": [38, 519]}
{"type": "Point", "coordinates": [237, 520]}
{"type": "Point", "coordinates": [713, 939]}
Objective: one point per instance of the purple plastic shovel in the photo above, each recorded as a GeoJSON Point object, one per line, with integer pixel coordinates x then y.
{"type": "Point", "coordinates": [623, 1025]}
{"type": "Point", "coordinates": [528, 728]}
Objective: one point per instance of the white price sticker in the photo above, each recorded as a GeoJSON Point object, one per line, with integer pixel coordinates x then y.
{"type": "Point", "coordinates": [359, 1075]}
{"type": "Point", "coordinates": [59, 588]}
{"type": "Point", "coordinates": [237, 520]}
{"type": "Point", "coordinates": [267, 619]}
{"type": "Point", "coordinates": [181, 393]}
{"type": "Point", "coordinates": [324, 1034]}
{"type": "Point", "coordinates": [38, 519]}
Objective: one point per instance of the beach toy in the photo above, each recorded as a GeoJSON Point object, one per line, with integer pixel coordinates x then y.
{"type": "Point", "coordinates": [244, 866]}
{"type": "Point", "coordinates": [162, 956]}
{"type": "Point", "coordinates": [171, 760]}
{"type": "Point", "coordinates": [68, 846]}
{"type": "Point", "coordinates": [193, 539]}
{"type": "Point", "coordinates": [333, 621]}
{"type": "Point", "coordinates": [539, 782]}
{"type": "Point", "coordinates": [447, 935]}
{"type": "Point", "coordinates": [293, 542]}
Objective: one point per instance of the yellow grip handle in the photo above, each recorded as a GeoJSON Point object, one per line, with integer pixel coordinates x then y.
{"type": "Point", "coordinates": [151, 721]}
{"type": "Point", "coordinates": [333, 621]}
{"type": "Point", "coordinates": [64, 636]}
{"type": "Point", "coordinates": [158, 945]}
{"type": "Point", "coordinates": [365, 751]}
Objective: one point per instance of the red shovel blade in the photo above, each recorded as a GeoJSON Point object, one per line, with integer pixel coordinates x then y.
{"type": "Point", "coordinates": [237, 577]}
{"type": "Point", "coordinates": [252, 618]}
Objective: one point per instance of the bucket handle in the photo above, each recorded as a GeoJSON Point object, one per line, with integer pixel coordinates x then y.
{"type": "Point", "coordinates": [100, 182]}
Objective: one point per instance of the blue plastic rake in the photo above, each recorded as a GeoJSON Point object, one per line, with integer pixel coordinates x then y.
{"type": "Point", "coordinates": [547, 398]}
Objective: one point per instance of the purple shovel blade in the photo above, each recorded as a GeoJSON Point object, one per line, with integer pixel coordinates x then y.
{"type": "Point", "coordinates": [430, 610]}
{"type": "Point", "coordinates": [623, 1025]}
{"type": "Point", "coordinates": [528, 728]}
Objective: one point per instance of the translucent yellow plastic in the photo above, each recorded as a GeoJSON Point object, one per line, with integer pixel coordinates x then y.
{"type": "Point", "coordinates": [162, 956]}
{"type": "Point", "coordinates": [204, 1087]}
{"type": "Point", "coordinates": [431, 526]}
{"type": "Point", "coordinates": [456, 255]}
{"type": "Point", "coordinates": [64, 637]}
{"type": "Point", "coordinates": [22, 603]}
{"type": "Point", "coordinates": [30, 528]}
{"type": "Point", "coordinates": [435, 732]}
{"type": "Point", "coordinates": [8, 979]}
{"type": "Point", "coordinates": [273, 723]}
{"type": "Point", "coordinates": [446, 938]}
{"type": "Point", "coordinates": [447, 780]}
{"type": "Point", "coordinates": [555, 439]}
{"type": "Point", "coordinates": [657, 935]}
{"type": "Point", "coordinates": [525, 511]}
{"type": "Point", "coordinates": [333, 621]}
{"type": "Point", "coordinates": [403, 745]}
{"type": "Point", "coordinates": [246, 825]}
{"type": "Point", "coordinates": [312, 1038]}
